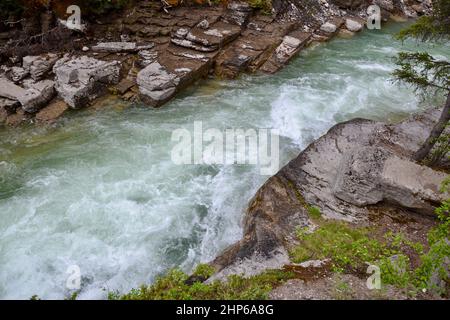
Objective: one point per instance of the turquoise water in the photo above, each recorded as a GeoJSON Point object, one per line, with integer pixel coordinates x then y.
{"type": "Point", "coordinates": [100, 190]}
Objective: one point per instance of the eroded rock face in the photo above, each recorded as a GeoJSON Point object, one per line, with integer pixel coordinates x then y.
{"type": "Point", "coordinates": [369, 175]}
{"type": "Point", "coordinates": [355, 165]}
{"type": "Point", "coordinates": [82, 79]}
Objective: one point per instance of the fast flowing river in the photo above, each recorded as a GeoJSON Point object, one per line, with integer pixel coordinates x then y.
{"type": "Point", "coordinates": [100, 192]}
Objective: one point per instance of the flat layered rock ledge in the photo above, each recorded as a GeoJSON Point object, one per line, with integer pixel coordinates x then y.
{"type": "Point", "coordinates": [360, 171]}
{"type": "Point", "coordinates": [147, 55]}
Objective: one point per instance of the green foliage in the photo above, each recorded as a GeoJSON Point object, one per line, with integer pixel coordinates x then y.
{"type": "Point", "coordinates": [173, 286]}
{"type": "Point", "coordinates": [350, 247]}
{"type": "Point", "coordinates": [314, 212]}
{"type": "Point", "coordinates": [422, 71]}
{"type": "Point", "coordinates": [344, 245]}
{"type": "Point", "coordinates": [204, 271]}
{"type": "Point", "coordinates": [395, 270]}
{"type": "Point", "coordinates": [264, 5]}
{"type": "Point", "coordinates": [434, 261]}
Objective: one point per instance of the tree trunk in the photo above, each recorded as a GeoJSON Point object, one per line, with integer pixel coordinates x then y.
{"type": "Point", "coordinates": [423, 152]}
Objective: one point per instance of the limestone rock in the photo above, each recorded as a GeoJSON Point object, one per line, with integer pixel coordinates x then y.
{"type": "Point", "coordinates": [18, 73]}
{"type": "Point", "coordinates": [39, 66]}
{"type": "Point", "coordinates": [32, 98]}
{"type": "Point", "coordinates": [353, 25]}
{"type": "Point", "coordinates": [82, 79]}
{"type": "Point", "coordinates": [328, 27]}
{"type": "Point", "coordinates": [288, 48]}
{"type": "Point", "coordinates": [203, 40]}
{"type": "Point", "coordinates": [37, 95]}
{"type": "Point", "coordinates": [52, 112]}
{"type": "Point", "coordinates": [117, 47]}
{"type": "Point", "coordinates": [156, 84]}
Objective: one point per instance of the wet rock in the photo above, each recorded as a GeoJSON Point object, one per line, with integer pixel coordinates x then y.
{"type": "Point", "coordinates": [9, 106]}
{"type": "Point", "coordinates": [82, 79]}
{"type": "Point", "coordinates": [3, 115]}
{"type": "Point", "coordinates": [17, 118]}
{"type": "Point", "coordinates": [52, 112]}
{"type": "Point", "coordinates": [346, 34]}
{"type": "Point", "coordinates": [328, 27]}
{"type": "Point", "coordinates": [39, 66]}
{"type": "Point", "coordinates": [124, 85]}
{"type": "Point", "coordinates": [117, 47]}
{"type": "Point", "coordinates": [288, 48]}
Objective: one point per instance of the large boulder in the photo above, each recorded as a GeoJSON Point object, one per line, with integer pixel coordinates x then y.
{"type": "Point", "coordinates": [82, 79]}
{"type": "Point", "coordinates": [348, 173]}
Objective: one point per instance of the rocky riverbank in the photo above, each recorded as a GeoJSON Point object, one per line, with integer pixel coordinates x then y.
{"type": "Point", "coordinates": [360, 172]}
{"type": "Point", "coordinates": [148, 55]}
